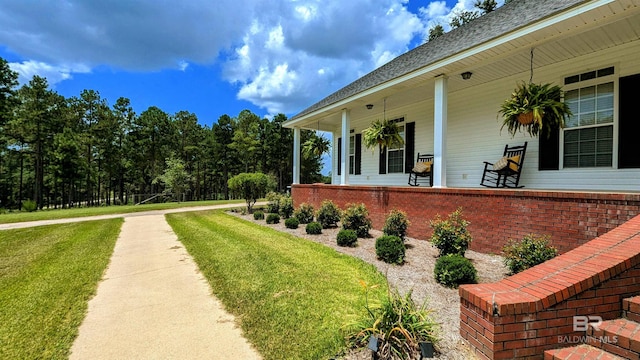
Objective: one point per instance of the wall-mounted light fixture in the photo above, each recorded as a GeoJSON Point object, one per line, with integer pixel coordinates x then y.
{"type": "Point", "coordinates": [369, 106]}
{"type": "Point", "coordinates": [466, 75]}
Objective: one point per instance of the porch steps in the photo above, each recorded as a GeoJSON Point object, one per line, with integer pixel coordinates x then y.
{"type": "Point", "coordinates": [612, 339]}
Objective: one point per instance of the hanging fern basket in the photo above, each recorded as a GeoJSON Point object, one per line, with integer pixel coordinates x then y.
{"type": "Point", "coordinates": [526, 118]}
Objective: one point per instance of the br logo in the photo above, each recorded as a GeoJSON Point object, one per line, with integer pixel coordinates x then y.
{"type": "Point", "coordinates": [581, 323]}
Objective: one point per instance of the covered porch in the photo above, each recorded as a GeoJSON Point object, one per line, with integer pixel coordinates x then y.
{"type": "Point", "coordinates": [455, 117]}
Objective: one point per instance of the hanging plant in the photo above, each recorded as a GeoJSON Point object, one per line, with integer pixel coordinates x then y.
{"type": "Point", "coordinates": [536, 109]}
{"type": "Point", "coordinates": [384, 133]}
{"type": "Point", "coordinates": [316, 146]}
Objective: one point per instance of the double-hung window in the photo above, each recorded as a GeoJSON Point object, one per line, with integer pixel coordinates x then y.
{"type": "Point", "coordinates": [587, 138]}
{"type": "Point", "coordinates": [352, 154]}
{"type": "Point", "coordinates": [395, 156]}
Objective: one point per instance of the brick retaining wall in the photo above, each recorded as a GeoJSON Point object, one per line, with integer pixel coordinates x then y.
{"type": "Point", "coordinates": [570, 218]}
{"type": "Point", "coordinates": [522, 316]}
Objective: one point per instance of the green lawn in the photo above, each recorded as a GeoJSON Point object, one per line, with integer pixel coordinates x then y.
{"type": "Point", "coordinates": [47, 276]}
{"type": "Point", "coordinates": [291, 295]}
{"type": "Point", "coordinates": [14, 217]}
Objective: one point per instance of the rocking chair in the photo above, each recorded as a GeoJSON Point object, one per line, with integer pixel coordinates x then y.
{"type": "Point", "coordinates": [422, 171]}
{"type": "Point", "coordinates": [506, 171]}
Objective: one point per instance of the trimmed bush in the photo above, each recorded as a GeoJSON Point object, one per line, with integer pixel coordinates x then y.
{"type": "Point", "coordinates": [451, 236]}
{"type": "Point", "coordinates": [396, 224]}
{"type": "Point", "coordinates": [313, 228]}
{"type": "Point", "coordinates": [273, 219]}
{"type": "Point", "coordinates": [286, 206]}
{"type": "Point", "coordinates": [453, 270]}
{"type": "Point", "coordinates": [530, 251]}
{"type": "Point", "coordinates": [29, 206]}
{"type": "Point", "coordinates": [258, 215]}
{"type": "Point", "coordinates": [273, 202]}
{"type": "Point", "coordinates": [390, 249]}
{"type": "Point", "coordinates": [328, 215]}
{"type": "Point", "coordinates": [347, 238]}
{"type": "Point", "coordinates": [356, 217]}
{"type": "Point", "coordinates": [304, 213]}
{"type": "Point", "coordinates": [291, 223]}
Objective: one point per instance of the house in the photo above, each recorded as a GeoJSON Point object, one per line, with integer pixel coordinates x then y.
{"type": "Point", "coordinates": [590, 48]}
{"type": "Point", "coordinates": [582, 184]}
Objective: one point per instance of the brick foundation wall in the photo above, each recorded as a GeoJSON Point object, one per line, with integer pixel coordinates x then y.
{"type": "Point", "coordinates": [525, 314]}
{"type": "Point", "coordinates": [570, 218]}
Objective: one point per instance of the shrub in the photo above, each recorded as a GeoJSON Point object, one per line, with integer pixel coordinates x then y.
{"type": "Point", "coordinates": [356, 217]}
{"type": "Point", "coordinates": [291, 223]}
{"type": "Point", "coordinates": [273, 202]}
{"type": "Point", "coordinates": [347, 238]}
{"type": "Point", "coordinates": [286, 206]}
{"type": "Point", "coordinates": [313, 228]}
{"type": "Point", "coordinates": [451, 236]}
{"type": "Point", "coordinates": [398, 323]}
{"type": "Point", "coordinates": [530, 251]}
{"type": "Point", "coordinates": [29, 206]}
{"type": "Point", "coordinates": [304, 213]}
{"type": "Point", "coordinates": [328, 214]}
{"type": "Point", "coordinates": [273, 219]}
{"type": "Point", "coordinates": [396, 224]}
{"type": "Point", "coordinates": [453, 270]}
{"type": "Point", "coordinates": [390, 249]}
{"type": "Point", "coordinates": [258, 215]}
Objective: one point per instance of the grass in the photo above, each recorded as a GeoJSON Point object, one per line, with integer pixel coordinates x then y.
{"type": "Point", "coordinates": [47, 276]}
{"type": "Point", "coordinates": [13, 217]}
{"type": "Point", "coordinates": [292, 296]}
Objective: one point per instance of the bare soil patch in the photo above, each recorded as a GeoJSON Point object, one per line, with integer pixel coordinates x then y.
{"type": "Point", "coordinates": [415, 274]}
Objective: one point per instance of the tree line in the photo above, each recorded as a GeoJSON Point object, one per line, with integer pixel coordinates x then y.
{"type": "Point", "coordinates": [65, 152]}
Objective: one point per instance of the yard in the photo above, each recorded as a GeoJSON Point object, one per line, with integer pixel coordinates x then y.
{"type": "Point", "coordinates": [47, 276]}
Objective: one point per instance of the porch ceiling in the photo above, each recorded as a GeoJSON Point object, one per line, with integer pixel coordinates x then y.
{"type": "Point", "coordinates": [594, 30]}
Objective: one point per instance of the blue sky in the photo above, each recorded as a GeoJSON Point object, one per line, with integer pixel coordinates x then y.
{"type": "Point", "coordinates": [212, 57]}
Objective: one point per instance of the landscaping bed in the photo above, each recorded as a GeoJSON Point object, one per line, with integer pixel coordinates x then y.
{"type": "Point", "coordinates": [415, 274]}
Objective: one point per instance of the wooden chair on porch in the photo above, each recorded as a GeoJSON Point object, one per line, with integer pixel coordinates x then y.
{"type": "Point", "coordinates": [422, 172]}
{"type": "Point", "coordinates": [506, 171]}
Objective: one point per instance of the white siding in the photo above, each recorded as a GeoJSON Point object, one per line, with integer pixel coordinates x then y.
{"type": "Point", "coordinates": [474, 132]}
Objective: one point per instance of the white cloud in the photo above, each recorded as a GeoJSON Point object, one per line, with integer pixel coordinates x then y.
{"type": "Point", "coordinates": [54, 74]}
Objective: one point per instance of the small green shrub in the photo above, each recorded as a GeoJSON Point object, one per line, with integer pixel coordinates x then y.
{"type": "Point", "coordinates": [313, 228]}
{"type": "Point", "coordinates": [328, 214]}
{"type": "Point", "coordinates": [451, 236]}
{"type": "Point", "coordinates": [258, 215]}
{"type": "Point", "coordinates": [286, 206]}
{"type": "Point", "coordinates": [453, 270]}
{"type": "Point", "coordinates": [356, 217]}
{"type": "Point", "coordinates": [304, 213]}
{"type": "Point", "coordinates": [273, 202]}
{"type": "Point", "coordinates": [396, 224]}
{"type": "Point", "coordinates": [273, 219]}
{"type": "Point", "coordinates": [399, 324]}
{"type": "Point", "coordinates": [347, 238]}
{"type": "Point", "coordinates": [390, 249]}
{"type": "Point", "coordinates": [530, 251]}
{"type": "Point", "coordinates": [291, 223]}
{"type": "Point", "coordinates": [29, 206]}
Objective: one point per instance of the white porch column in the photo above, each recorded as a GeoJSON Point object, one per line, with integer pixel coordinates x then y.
{"type": "Point", "coordinates": [296, 155]}
{"type": "Point", "coordinates": [344, 157]}
{"type": "Point", "coordinates": [440, 132]}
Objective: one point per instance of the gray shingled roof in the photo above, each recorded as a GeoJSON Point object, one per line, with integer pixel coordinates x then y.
{"type": "Point", "coordinates": [505, 19]}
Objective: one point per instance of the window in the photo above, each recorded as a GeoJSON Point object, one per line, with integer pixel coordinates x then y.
{"type": "Point", "coordinates": [588, 134]}
{"type": "Point", "coordinates": [352, 154]}
{"type": "Point", "coordinates": [395, 156]}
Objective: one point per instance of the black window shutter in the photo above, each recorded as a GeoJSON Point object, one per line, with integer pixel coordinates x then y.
{"type": "Point", "coordinates": [409, 145]}
{"type": "Point", "coordinates": [358, 155]}
{"type": "Point", "coordinates": [549, 151]}
{"type": "Point", "coordinates": [383, 161]}
{"type": "Point", "coordinates": [339, 156]}
{"type": "Point", "coordinates": [629, 123]}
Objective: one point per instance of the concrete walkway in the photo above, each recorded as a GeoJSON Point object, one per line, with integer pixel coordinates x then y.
{"type": "Point", "coordinates": [153, 303]}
